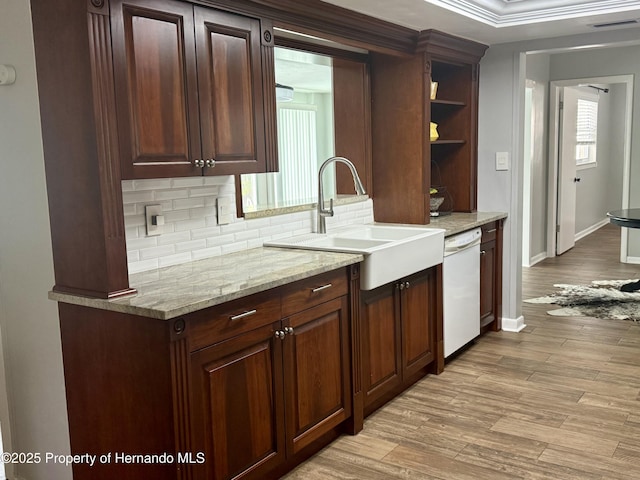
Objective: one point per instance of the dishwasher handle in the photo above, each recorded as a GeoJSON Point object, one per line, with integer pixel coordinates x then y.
{"type": "Point", "coordinates": [462, 241]}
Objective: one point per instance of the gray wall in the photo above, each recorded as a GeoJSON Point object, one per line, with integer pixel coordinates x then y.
{"type": "Point", "coordinates": [593, 192]}
{"type": "Point", "coordinates": [602, 62]}
{"type": "Point", "coordinates": [500, 128]}
{"type": "Point", "coordinates": [28, 320]}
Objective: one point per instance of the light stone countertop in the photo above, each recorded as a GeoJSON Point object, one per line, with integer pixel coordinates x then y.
{"type": "Point", "coordinates": [461, 222]}
{"type": "Point", "coordinates": [169, 292]}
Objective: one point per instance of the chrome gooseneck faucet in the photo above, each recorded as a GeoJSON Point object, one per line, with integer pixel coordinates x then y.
{"type": "Point", "coordinates": [322, 212]}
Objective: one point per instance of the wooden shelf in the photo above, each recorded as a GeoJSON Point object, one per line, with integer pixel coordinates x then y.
{"type": "Point", "coordinates": [449, 142]}
{"type": "Point", "coordinates": [453, 103]}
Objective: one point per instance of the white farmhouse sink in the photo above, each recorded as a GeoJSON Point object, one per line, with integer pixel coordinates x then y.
{"type": "Point", "coordinates": [390, 251]}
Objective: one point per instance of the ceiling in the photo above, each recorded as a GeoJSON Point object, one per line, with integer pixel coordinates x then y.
{"type": "Point", "coordinates": [500, 21]}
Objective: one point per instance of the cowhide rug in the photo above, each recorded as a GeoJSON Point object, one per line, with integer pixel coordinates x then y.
{"type": "Point", "coordinates": [601, 299]}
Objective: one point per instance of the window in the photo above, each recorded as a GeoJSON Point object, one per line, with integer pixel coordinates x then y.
{"type": "Point", "coordinates": [586, 132]}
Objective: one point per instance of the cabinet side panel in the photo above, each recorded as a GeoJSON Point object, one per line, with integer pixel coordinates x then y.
{"type": "Point", "coordinates": [397, 85]}
{"type": "Point", "coordinates": [119, 395]}
{"type": "Point", "coordinates": [72, 54]}
{"type": "Point", "coordinates": [352, 122]}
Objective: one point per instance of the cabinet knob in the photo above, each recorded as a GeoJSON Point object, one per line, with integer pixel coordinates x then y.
{"type": "Point", "coordinates": [210, 163]}
{"type": "Point", "coordinates": [400, 286]}
{"type": "Point", "coordinates": [407, 284]}
{"type": "Point", "coordinates": [279, 334]}
{"type": "Point", "coordinates": [199, 163]}
{"type": "Point", "coordinates": [288, 330]}
{"type": "Point", "coordinates": [483, 252]}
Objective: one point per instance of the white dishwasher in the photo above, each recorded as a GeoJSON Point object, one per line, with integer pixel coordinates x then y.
{"type": "Point", "coordinates": [461, 289]}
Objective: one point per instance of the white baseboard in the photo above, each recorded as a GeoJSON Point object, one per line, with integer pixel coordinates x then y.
{"type": "Point", "coordinates": [536, 259]}
{"type": "Point", "coordinates": [591, 229]}
{"type": "Point", "coordinates": [513, 325]}
{"type": "Point", "coordinates": [634, 260]}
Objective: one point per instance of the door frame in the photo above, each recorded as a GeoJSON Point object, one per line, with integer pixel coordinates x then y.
{"type": "Point", "coordinates": [554, 145]}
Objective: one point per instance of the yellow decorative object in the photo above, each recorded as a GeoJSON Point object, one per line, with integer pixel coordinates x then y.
{"type": "Point", "coordinates": [434, 90]}
{"type": "Point", "coordinates": [433, 131]}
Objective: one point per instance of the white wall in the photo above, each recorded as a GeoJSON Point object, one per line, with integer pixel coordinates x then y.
{"type": "Point", "coordinates": [537, 71]}
{"type": "Point", "coordinates": [28, 320]}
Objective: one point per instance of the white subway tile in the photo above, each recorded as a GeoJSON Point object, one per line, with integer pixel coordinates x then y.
{"type": "Point", "coordinates": [172, 194]}
{"type": "Point", "coordinates": [134, 221]}
{"type": "Point", "coordinates": [155, 252]}
{"type": "Point", "coordinates": [191, 245]}
{"type": "Point", "coordinates": [206, 253]}
{"type": "Point", "coordinates": [129, 209]}
{"type": "Point", "coordinates": [173, 238]}
{"type": "Point", "coordinates": [137, 197]}
{"type": "Point", "coordinates": [143, 266]}
{"type": "Point", "coordinates": [142, 242]}
{"type": "Point", "coordinates": [133, 256]}
{"type": "Point", "coordinates": [233, 227]}
{"type": "Point", "coordinates": [246, 235]}
{"type": "Point", "coordinates": [187, 182]}
{"type": "Point", "coordinates": [206, 191]}
{"type": "Point", "coordinates": [127, 185]}
{"type": "Point", "coordinates": [151, 184]}
{"type": "Point", "coordinates": [234, 247]}
{"type": "Point", "coordinates": [219, 240]}
{"type": "Point", "coordinates": [255, 242]}
{"type": "Point", "coordinates": [205, 232]}
{"type": "Point", "coordinates": [219, 180]}
{"type": "Point", "coordinates": [174, 259]}
{"type": "Point", "coordinates": [204, 212]}
{"type": "Point", "coordinates": [186, 203]}
{"type": "Point", "coordinates": [191, 224]}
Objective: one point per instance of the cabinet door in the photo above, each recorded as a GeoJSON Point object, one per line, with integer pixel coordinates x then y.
{"type": "Point", "coordinates": [381, 359]}
{"type": "Point", "coordinates": [317, 370]}
{"type": "Point", "coordinates": [237, 415]}
{"type": "Point", "coordinates": [487, 282]}
{"type": "Point", "coordinates": [156, 88]}
{"type": "Point", "coordinates": [230, 90]}
{"type": "Point", "coordinates": [417, 332]}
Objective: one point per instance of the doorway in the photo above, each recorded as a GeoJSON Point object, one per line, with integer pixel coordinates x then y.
{"type": "Point", "coordinates": [582, 190]}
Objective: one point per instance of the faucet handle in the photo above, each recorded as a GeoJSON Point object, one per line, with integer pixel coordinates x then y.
{"type": "Point", "coordinates": [327, 213]}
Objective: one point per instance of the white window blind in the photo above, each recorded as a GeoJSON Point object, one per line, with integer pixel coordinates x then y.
{"type": "Point", "coordinates": [586, 131]}
{"type": "Point", "coordinates": [297, 154]}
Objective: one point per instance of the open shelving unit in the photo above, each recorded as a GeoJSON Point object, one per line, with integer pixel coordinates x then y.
{"type": "Point", "coordinates": [406, 163]}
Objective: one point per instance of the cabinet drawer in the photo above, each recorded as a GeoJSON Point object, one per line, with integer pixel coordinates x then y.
{"type": "Point", "coordinates": [313, 291]}
{"type": "Point", "coordinates": [233, 318]}
{"type": "Point", "coordinates": [489, 232]}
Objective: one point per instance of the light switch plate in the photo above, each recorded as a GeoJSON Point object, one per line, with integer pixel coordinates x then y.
{"type": "Point", "coordinates": [151, 211]}
{"type": "Point", "coordinates": [502, 160]}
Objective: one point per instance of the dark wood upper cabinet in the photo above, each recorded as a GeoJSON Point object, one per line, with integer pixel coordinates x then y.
{"type": "Point", "coordinates": [189, 89]}
{"type": "Point", "coordinates": [406, 163]}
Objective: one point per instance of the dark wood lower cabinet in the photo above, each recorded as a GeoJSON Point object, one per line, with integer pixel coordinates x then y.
{"type": "Point", "coordinates": [242, 390]}
{"type": "Point", "coordinates": [491, 277]}
{"type": "Point", "coordinates": [237, 409]}
{"type": "Point", "coordinates": [316, 373]}
{"type": "Point", "coordinates": [399, 335]}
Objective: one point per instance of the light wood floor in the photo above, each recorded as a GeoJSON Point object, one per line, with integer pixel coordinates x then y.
{"type": "Point", "coordinates": [560, 400]}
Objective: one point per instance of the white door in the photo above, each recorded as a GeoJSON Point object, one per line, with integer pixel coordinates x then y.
{"type": "Point", "coordinates": [566, 232]}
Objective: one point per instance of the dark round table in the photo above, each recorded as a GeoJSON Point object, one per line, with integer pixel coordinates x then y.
{"type": "Point", "coordinates": [629, 218]}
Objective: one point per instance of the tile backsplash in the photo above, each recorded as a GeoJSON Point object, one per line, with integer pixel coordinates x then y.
{"type": "Point", "coordinates": [191, 229]}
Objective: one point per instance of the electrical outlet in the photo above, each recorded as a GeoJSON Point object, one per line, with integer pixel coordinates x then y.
{"type": "Point", "coordinates": [224, 210]}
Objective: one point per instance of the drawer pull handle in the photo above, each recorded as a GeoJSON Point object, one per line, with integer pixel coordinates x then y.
{"type": "Point", "coordinates": [490, 231]}
{"type": "Point", "coordinates": [243, 315]}
{"type": "Point", "coordinates": [323, 287]}
{"type": "Point", "coordinates": [288, 330]}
